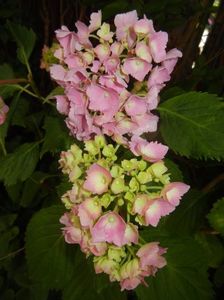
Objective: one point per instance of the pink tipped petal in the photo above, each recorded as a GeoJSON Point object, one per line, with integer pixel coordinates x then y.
{"type": "Point", "coordinates": [111, 64]}
{"type": "Point", "coordinates": [116, 48]}
{"type": "Point", "coordinates": [140, 203]}
{"type": "Point", "coordinates": [150, 151]}
{"type": "Point", "coordinates": [3, 111]}
{"type": "Point", "coordinates": [102, 51]}
{"type": "Point", "coordinates": [130, 283]}
{"type": "Point", "coordinates": [98, 179]}
{"type": "Point", "coordinates": [102, 99]}
{"type": "Point", "coordinates": [174, 191]}
{"type": "Point", "coordinates": [130, 234]}
{"type": "Point", "coordinates": [153, 97]}
{"type": "Point", "coordinates": [95, 21]}
{"type": "Point", "coordinates": [135, 105]}
{"type": "Point", "coordinates": [158, 76]}
{"type": "Point", "coordinates": [62, 104]}
{"type": "Point", "coordinates": [124, 22]}
{"type": "Point", "coordinates": [83, 33]}
{"type": "Point", "coordinates": [156, 209]}
{"type": "Point", "coordinates": [137, 68]}
{"type": "Point", "coordinates": [145, 123]}
{"type": "Point", "coordinates": [157, 44]}
{"type": "Point", "coordinates": [68, 40]}
{"type": "Point", "coordinates": [58, 73]}
{"type": "Point", "coordinates": [88, 211]}
{"type": "Point", "coordinates": [109, 228]}
{"type": "Point", "coordinates": [144, 26]}
{"type": "Point", "coordinates": [143, 51]}
{"type": "Point", "coordinates": [150, 255]}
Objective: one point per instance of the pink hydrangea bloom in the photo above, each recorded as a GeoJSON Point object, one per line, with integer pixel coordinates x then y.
{"type": "Point", "coordinates": [95, 21]}
{"type": "Point", "coordinates": [3, 111]}
{"type": "Point", "coordinates": [72, 233]}
{"type": "Point", "coordinates": [174, 191]}
{"type": "Point", "coordinates": [150, 151]}
{"type": "Point", "coordinates": [110, 228]}
{"type": "Point", "coordinates": [130, 283]}
{"type": "Point", "coordinates": [151, 255]}
{"type": "Point", "coordinates": [124, 25]}
{"type": "Point", "coordinates": [88, 211]}
{"type": "Point", "coordinates": [98, 179]}
{"type": "Point", "coordinates": [155, 209]}
{"type": "Point", "coordinates": [157, 44]}
{"type": "Point", "coordinates": [130, 234]}
{"type": "Point", "coordinates": [137, 68]}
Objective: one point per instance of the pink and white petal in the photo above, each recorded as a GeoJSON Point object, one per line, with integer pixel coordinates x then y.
{"type": "Point", "coordinates": [136, 67]}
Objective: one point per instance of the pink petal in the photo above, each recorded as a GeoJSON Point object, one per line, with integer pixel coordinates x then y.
{"type": "Point", "coordinates": [137, 68]}
{"type": "Point", "coordinates": [143, 52]}
{"type": "Point", "coordinates": [139, 204]}
{"type": "Point", "coordinates": [88, 211]}
{"type": "Point", "coordinates": [130, 283]}
{"type": "Point", "coordinates": [158, 76]}
{"type": "Point", "coordinates": [144, 26]}
{"type": "Point", "coordinates": [130, 234]}
{"type": "Point", "coordinates": [157, 44]}
{"type": "Point", "coordinates": [156, 209]}
{"type": "Point", "coordinates": [95, 21]}
{"type": "Point", "coordinates": [150, 151]}
{"type": "Point", "coordinates": [109, 228]}
{"type": "Point", "coordinates": [145, 123]}
{"type": "Point", "coordinates": [62, 104]}
{"type": "Point", "coordinates": [174, 191]}
{"type": "Point", "coordinates": [124, 22]}
{"type": "Point", "coordinates": [135, 105]}
{"type": "Point", "coordinates": [98, 179]}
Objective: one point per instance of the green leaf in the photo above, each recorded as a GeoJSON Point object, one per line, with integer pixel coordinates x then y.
{"type": "Point", "coordinates": [174, 170]}
{"type": "Point", "coordinates": [19, 165]}
{"type": "Point", "coordinates": [187, 217]}
{"type": "Point", "coordinates": [114, 7]}
{"type": "Point", "coordinates": [6, 71]}
{"type": "Point", "coordinates": [50, 260]}
{"type": "Point", "coordinates": [216, 216]}
{"type": "Point", "coordinates": [56, 136]}
{"type": "Point", "coordinates": [212, 247]}
{"type": "Point", "coordinates": [192, 124]}
{"type": "Point", "coordinates": [25, 39]}
{"type": "Point", "coordinates": [185, 275]}
{"type": "Point", "coordinates": [20, 113]}
{"type": "Point", "coordinates": [31, 188]}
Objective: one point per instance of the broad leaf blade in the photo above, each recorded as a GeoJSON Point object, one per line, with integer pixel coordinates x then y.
{"type": "Point", "coordinates": [50, 260]}
{"type": "Point", "coordinates": [19, 165]}
{"type": "Point", "coordinates": [192, 124]}
{"type": "Point", "coordinates": [184, 277]}
{"type": "Point", "coordinates": [25, 39]}
{"type": "Point", "coordinates": [56, 136]}
{"type": "Point", "coordinates": [216, 216]}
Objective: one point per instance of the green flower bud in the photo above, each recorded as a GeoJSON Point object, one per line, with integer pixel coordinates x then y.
{"type": "Point", "coordinates": [143, 188]}
{"type": "Point", "coordinates": [91, 147]}
{"type": "Point", "coordinates": [87, 158]}
{"type": "Point", "coordinates": [157, 169]}
{"type": "Point", "coordinates": [142, 165]}
{"type": "Point", "coordinates": [118, 185]}
{"type": "Point", "coordinates": [120, 202]}
{"type": "Point", "coordinates": [105, 200]}
{"type": "Point", "coordinates": [77, 152]}
{"type": "Point", "coordinates": [108, 150]}
{"type": "Point", "coordinates": [100, 141]}
{"type": "Point", "coordinates": [134, 185]}
{"type": "Point", "coordinates": [116, 171]}
{"type": "Point", "coordinates": [144, 177]}
{"type": "Point", "coordinates": [129, 196]}
{"type": "Point", "coordinates": [126, 165]}
{"type": "Point", "coordinates": [116, 253]}
{"type": "Point", "coordinates": [75, 173]}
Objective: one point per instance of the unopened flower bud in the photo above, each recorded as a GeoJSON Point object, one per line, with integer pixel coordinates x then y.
{"type": "Point", "coordinates": [118, 185]}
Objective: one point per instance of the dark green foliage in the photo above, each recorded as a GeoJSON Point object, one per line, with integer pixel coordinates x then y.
{"type": "Point", "coordinates": [192, 125]}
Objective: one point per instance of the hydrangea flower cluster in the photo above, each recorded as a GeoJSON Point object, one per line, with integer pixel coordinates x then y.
{"type": "Point", "coordinates": [112, 80]}
{"type": "Point", "coordinates": [3, 111]}
{"type": "Point", "coordinates": [111, 83]}
{"type": "Point", "coordinates": [110, 199]}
